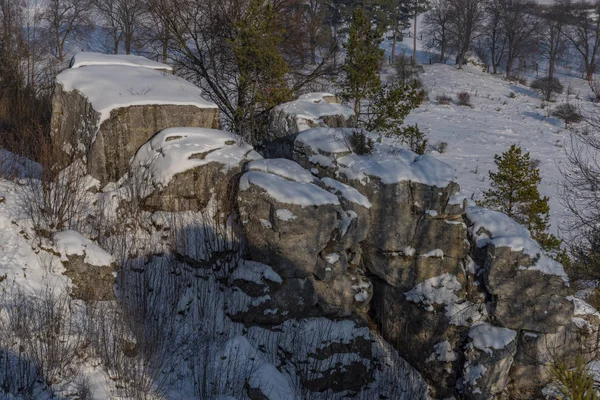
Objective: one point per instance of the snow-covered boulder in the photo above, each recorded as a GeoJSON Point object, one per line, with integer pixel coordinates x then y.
{"type": "Point", "coordinates": [309, 111]}
{"type": "Point", "coordinates": [298, 225]}
{"type": "Point", "coordinates": [90, 267]}
{"type": "Point", "coordinates": [529, 288]}
{"type": "Point", "coordinates": [105, 112]}
{"type": "Point", "coordinates": [181, 169]}
{"type": "Point", "coordinates": [489, 356]}
{"type": "Point", "coordinates": [259, 295]}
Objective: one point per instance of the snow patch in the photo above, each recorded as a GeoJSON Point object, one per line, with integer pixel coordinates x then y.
{"type": "Point", "coordinates": [442, 352]}
{"type": "Point", "coordinates": [285, 215]}
{"type": "Point", "coordinates": [347, 192]}
{"type": "Point", "coordinates": [84, 59]}
{"type": "Point", "coordinates": [486, 337]}
{"type": "Point", "coordinates": [71, 243]}
{"type": "Point", "coordinates": [282, 167]}
{"type": "Point", "coordinates": [285, 191]}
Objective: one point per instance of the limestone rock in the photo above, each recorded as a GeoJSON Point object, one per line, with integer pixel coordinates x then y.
{"type": "Point", "coordinates": [106, 112]}
{"type": "Point", "coordinates": [304, 232]}
{"type": "Point", "coordinates": [489, 356]}
{"type": "Point", "coordinates": [90, 268]}
{"type": "Point", "coordinates": [181, 169]}
{"type": "Point", "coordinates": [529, 289]}
{"type": "Point", "coordinates": [526, 299]}
{"type": "Point", "coordinates": [308, 111]}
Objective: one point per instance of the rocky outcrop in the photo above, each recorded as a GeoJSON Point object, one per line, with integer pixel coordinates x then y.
{"type": "Point", "coordinates": [308, 111]}
{"type": "Point", "coordinates": [304, 233]}
{"type": "Point", "coordinates": [106, 112]}
{"type": "Point", "coordinates": [90, 268]}
{"type": "Point", "coordinates": [182, 169]}
{"type": "Point", "coordinates": [336, 249]}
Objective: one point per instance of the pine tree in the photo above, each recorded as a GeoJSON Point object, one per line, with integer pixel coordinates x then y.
{"type": "Point", "coordinates": [515, 192]}
{"type": "Point", "coordinates": [262, 68]}
{"type": "Point", "coordinates": [363, 58]}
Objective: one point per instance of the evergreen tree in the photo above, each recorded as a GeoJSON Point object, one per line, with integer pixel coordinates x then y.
{"type": "Point", "coordinates": [262, 68]}
{"type": "Point", "coordinates": [515, 192]}
{"type": "Point", "coordinates": [363, 58]}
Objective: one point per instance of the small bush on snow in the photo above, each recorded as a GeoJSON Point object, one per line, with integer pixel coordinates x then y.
{"type": "Point", "coordinates": [464, 99]}
{"type": "Point", "coordinates": [568, 113]}
{"type": "Point", "coordinates": [547, 87]}
{"type": "Point", "coordinates": [443, 99]}
{"type": "Point", "coordinates": [360, 143]}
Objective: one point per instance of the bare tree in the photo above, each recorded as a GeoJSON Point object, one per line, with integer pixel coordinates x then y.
{"type": "Point", "coordinates": [580, 194]}
{"type": "Point", "coordinates": [66, 19]}
{"type": "Point", "coordinates": [492, 42]}
{"type": "Point", "coordinates": [206, 33]}
{"type": "Point", "coordinates": [436, 25]}
{"type": "Point", "coordinates": [520, 27]}
{"type": "Point", "coordinates": [466, 25]}
{"type": "Point", "coordinates": [123, 18]}
{"type": "Point", "coordinates": [583, 32]}
{"type": "Point", "coordinates": [552, 40]}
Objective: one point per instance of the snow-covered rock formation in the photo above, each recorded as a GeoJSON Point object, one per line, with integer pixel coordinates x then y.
{"type": "Point", "coordinates": [105, 107]}
{"type": "Point", "coordinates": [320, 273]}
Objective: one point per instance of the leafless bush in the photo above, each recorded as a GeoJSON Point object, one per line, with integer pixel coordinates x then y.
{"type": "Point", "coordinates": [444, 100]}
{"type": "Point", "coordinates": [568, 113]}
{"type": "Point", "coordinates": [57, 198]}
{"type": "Point", "coordinates": [442, 147]}
{"type": "Point", "coordinates": [547, 87]}
{"type": "Point", "coordinates": [43, 338]}
{"type": "Point", "coordinates": [520, 79]}
{"type": "Point", "coordinates": [464, 99]}
{"type": "Point", "coordinates": [595, 87]}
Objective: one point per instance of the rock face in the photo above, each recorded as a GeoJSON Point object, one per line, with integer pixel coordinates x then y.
{"type": "Point", "coordinates": [308, 111]}
{"type": "Point", "coordinates": [106, 112]}
{"type": "Point", "coordinates": [337, 247]}
{"type": "Point", "coordinates": [489, 356]}
{"type": "Point", "coordinates": [181, 169]}
{"type": "Point", "coordinates": [90, 268]}
{"type": "Point", "coordinates": [304, 233]}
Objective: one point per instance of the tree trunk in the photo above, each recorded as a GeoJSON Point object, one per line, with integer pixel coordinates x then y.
{"type": "Point", "coordinates": [509, 63]}
{"type": "Point", "coordinates": [394, 47]}
{"type": "Point", "coordinates": [443, 52]}
{"type": "Point", "coordinates": [589, 72]}
{"type": "Point", "coordinates": [551, 67]}
{"type": "Point", "coordinates": [414, 60]}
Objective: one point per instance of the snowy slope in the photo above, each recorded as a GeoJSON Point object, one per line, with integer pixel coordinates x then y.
{"type": "Point", "coordinates": [493, 123]}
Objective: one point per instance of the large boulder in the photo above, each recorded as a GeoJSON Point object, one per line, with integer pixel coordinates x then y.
{"type": "Point", "coordinates": [181, 169]}
{"type": "Point", "coordinates": [106, 112]}
{"type": "Point", "coordinates": [90, 268]}
{"type": "Point", "coordinates": [309, 111]}
{"type": "Point", "coordinates": [306, 232]}
{"type": "Point", "coordinates": [529, 288]}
